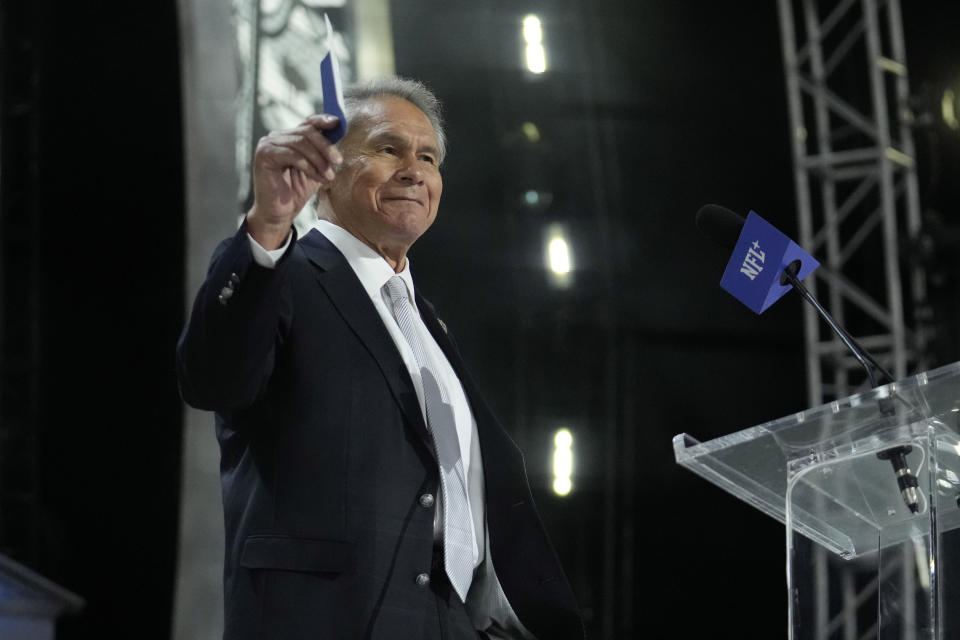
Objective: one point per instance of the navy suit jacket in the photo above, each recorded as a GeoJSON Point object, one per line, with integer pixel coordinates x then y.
{"type": "Point", "coordinates": [325, 455]}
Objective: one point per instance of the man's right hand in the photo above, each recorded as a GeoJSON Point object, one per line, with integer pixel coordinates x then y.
{"type": "Point", "coordinates": [288, 167]}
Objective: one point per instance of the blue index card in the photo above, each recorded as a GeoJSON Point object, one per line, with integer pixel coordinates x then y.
{"type": "Point", "coordinates": [332, 88]}
{"type": "Point", "coordinates": [753, 273]}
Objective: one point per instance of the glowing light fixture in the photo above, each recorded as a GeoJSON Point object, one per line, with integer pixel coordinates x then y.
{"type": "Point", "coordinates": [532, 30]}
{"type": "Point", "coordinates": [948, 110]}
{"type": "Point", "coordinates": [531, 132]}
{"type": "Point", "coordinates": [559, 255]}
{"type": "Point", "coordinates": [533, 36]}
{"type": "Point", "coordinates": [562, 462]}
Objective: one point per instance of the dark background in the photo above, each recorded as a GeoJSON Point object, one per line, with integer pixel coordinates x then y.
{"type": "Point", "coordinates": [648, 111]}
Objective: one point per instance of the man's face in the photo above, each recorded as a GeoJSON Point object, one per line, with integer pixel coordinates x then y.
{"type": "Point", "coordinates": [388, 189]}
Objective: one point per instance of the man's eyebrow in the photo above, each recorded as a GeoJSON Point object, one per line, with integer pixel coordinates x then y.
{"type": "Point", "coordinates": [400, 141]}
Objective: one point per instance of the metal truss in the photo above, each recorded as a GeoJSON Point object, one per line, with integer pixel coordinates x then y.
{"type": "Point", "coordinates": [857, 197]}
{"type": "Point", "coordinates": [856, 182]}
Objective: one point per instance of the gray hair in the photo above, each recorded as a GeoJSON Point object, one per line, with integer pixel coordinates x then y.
{"type": "Point", "coordinates": [413, 91]}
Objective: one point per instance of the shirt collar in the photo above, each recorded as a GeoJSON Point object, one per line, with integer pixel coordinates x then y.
{"type": "Point", "coordinates": [371, 268]}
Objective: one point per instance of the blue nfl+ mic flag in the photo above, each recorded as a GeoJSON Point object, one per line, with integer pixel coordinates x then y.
{"type": "Point", "coordinates": [762, 253]}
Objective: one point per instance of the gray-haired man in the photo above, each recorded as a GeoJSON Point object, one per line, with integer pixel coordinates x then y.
{"type": "Point", "coordinates": [369, 492]}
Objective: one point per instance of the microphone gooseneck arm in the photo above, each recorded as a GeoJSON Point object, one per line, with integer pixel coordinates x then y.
{"type": "Point", "coordinates": [906, 480]}
{"type": "Point", "coordinates": [789, 276]}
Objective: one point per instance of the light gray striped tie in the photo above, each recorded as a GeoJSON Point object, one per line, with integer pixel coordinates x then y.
{"type": "Point", "coordinates": [457, 520]}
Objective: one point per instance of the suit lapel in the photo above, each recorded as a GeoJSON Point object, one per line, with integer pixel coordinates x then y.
{"type": "Point", "coordinates": [350, 299]}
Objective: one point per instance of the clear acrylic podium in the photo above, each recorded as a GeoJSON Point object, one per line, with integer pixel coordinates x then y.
{"type": "Point", "coordinates": [818, 472]}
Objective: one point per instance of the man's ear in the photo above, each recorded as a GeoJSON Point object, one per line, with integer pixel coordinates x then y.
{"type": "Point", "coordinates": [321, 199]}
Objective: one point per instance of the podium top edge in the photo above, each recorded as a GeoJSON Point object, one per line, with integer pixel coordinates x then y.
{"type": "Point", "coordinates": [687, 447]}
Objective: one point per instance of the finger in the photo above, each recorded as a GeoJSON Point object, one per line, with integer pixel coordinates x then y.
{"type": "Point", "coordinates": [281, 153]}
{"type": "Point", "coordinates": [309, 131]}
{"type": "Point", "coordinates": [322, 154]}
{"type": "Point", "coordinates": [308, 144]}
{"type": "Point", "coordinates": [313, 136]}
{"type": "Point", "coordinates": [305, 185]}
{"type": "Point", "coordinates": [324, 146]}
{"type": "Point", "coordinates": [323, 121]}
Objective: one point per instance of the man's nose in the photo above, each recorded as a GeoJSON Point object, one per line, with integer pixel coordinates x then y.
{"type": "Point", "coordinates": [410, 171]}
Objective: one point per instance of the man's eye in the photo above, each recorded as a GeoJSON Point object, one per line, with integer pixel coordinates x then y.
{"type": "Point", "coordinates": [428, 158]}
{"type": "Point", "coordinates": [390, 150]}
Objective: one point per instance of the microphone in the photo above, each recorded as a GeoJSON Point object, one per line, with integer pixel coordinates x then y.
{"type": "Point", "coordinates": [760, 255]}
{"type": "Point", "coordinates": [756, 246]}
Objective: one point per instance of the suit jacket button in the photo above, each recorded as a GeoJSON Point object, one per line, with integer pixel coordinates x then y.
{"type": "Point", "coordinates": [422, 579]}
{"type": "Point", "coordinates": [426, 500]}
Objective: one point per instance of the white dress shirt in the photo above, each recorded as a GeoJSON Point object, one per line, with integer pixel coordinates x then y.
{"type": "Point", "coordinates": [486, 602]}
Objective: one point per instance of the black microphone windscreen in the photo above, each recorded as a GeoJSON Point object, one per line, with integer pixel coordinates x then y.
{"type": "Point", "coordinates": [720, 225]}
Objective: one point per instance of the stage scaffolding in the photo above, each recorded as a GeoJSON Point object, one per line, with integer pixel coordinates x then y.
{"type": "Point", "coordinates": [858, 208]}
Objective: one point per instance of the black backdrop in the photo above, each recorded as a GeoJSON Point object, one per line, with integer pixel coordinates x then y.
{"type": "Point", "coordinates": [92, 230]}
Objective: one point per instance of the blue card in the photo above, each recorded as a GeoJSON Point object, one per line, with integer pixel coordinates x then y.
{"type": "Point", "coordinates": [332, 88]}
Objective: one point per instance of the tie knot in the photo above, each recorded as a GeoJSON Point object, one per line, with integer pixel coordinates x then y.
{"type": "Point", "coordinates": [397, 289]}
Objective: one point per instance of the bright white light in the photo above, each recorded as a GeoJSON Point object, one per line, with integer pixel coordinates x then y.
{"type": "Point", "coordinates": [533, 36]}
{"type": "Point", "coordinates": [559, 253]}
{"type": "Point", "coordinates": [532, 30]}
{"type": "Point", "coordinates": [536, 58]}
{"type": "Point", "coordinates": [531, 197]}
{"type": "Point", "coordinates": [562, 462]}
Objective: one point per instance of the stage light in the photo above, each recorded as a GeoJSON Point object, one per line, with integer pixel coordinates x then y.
{"type": "Point", "coordinates": [536, 201]}
{"type": "Point", "coordinates": [532, 30]}
{"type": "Point", "coordinates": [536, 58]}
{"type": "Point", "coordinates": [949, 109]}
{"type": "Point", "coordinates": [533, 36]}
{"type": "Point", "coordinates": [562, 462]}
{"type": "Point", "coordinates": [558, 256]}
{"type": "Point", "coordinates": [531, 132]}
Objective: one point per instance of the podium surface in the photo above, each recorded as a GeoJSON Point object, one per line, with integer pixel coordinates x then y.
{"type": "Point", "coordinates": [818, 472]}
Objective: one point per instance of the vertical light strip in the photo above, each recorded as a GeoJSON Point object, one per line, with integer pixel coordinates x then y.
{"type": "Point", "coordinates": [559, 253]}
{"type": "Point", "coordinates": [533, 35]}
{"type": "Point", "coordinates": [562, 462]}
{"type": "Point", "coordinates": [374, 39]}
{"type": "Point", "coordinates": [558, 256]}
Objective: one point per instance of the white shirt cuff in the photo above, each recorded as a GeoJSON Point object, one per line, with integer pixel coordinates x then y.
{"type": "Point", "coordinates": [267, 258]}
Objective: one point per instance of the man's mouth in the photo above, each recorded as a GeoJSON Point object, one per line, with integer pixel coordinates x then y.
{"type": "Point", "coordinates": [405, 199]}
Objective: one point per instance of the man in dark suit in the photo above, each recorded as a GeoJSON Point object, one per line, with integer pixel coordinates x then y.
{"type": "Point", "coordinates": [369, 492]}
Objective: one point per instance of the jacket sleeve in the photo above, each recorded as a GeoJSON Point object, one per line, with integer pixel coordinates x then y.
{"type": "Point", "coordinates": [226, 352]}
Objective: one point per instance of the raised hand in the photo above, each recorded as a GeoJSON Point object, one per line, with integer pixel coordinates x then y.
{"type": "Point", "coordinates": [288, 167]}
